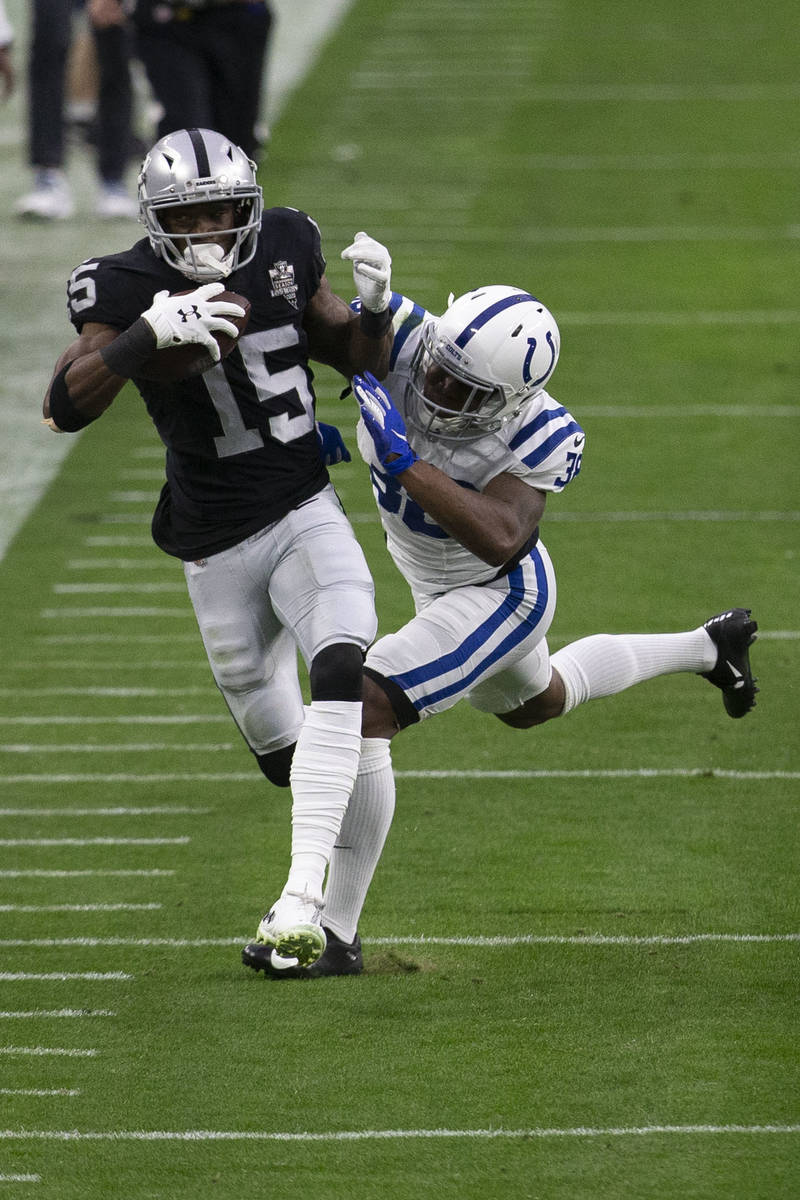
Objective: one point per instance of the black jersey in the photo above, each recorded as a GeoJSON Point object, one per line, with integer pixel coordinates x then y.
{"type": "Point", "coordinates": [241, 440]}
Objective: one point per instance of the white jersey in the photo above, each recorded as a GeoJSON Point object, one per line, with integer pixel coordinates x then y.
{"type": "Point", "coordinates": [543, 446]}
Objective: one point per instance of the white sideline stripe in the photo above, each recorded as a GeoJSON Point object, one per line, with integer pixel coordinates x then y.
{"type": "Point", "coordinates": [252, 776]}
{"type": "Point", "coordinates": [58, 1013]}
{"type": "Point", "coordinates": [20, 1178]}
{"type": "Point", "coordinates": [97, 841]}
{"type": "Point", "coordinates": [42, 1051]}
{"type": "Point", "coordinates": [41, 873]}
{"type": "Point", "coordinates": [144, 719]}
{"type": "Point", "coordinates": [119, 748]}
{"type": "Point", "coordinates": [360, 1135]}
{"type": "Point", "coordinates": [525, 939]}
{"type": "Point", "coordinates": [161, 811]}
{"type": "Point", "coordinates": [43, 908]}
{"type": "Point", "coordinates": [62, 976]}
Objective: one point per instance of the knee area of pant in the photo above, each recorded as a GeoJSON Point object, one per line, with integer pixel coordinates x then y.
{"type": "Point", "coordinates": [277, 765]}
{"type": "Point", "coordinates": [335, 673]}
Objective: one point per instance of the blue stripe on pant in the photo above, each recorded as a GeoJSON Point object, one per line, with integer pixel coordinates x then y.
{"type": "Point", "coordinates": [432, 671]}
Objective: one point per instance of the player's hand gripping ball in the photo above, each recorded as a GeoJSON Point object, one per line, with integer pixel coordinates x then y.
{"type": "Point", "coordinates": [211, 317]}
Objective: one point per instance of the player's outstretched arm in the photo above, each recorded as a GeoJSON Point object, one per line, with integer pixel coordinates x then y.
{"type": "Point", "coordinates": [340, 338]}
{"type": "Point", "coordinates": [493, 524]}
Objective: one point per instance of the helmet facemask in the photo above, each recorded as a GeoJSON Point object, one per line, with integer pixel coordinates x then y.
{"type": "Point", "coordinates": [478, 414]}
{"type": "Point", "coordinates": [199, 166]}
{"type": "Point", "coordinates": [500, 343]}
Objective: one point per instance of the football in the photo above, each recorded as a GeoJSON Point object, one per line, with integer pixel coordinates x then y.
{"type": "Point", "coordinates": [182, 362]}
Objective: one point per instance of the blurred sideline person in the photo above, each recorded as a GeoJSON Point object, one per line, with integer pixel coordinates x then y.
{"type": "Point", "coordinates": [7, 72]}
{"type": "Point", "coordinates": [52, 34]}
{"type": "Point", "coordinates": [270, 560]}
{"type": "Point", "coordinates": [205, 62]}
{"type": "Point", "coordinates": [463, 445]}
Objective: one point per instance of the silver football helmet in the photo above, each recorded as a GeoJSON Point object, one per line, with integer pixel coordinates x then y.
{"type": "Point", "coordinates": [501, 343]}
{"type": "Point", "coordinates": [199, 166]}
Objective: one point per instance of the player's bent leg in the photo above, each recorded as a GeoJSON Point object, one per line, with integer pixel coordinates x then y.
{"type": "Point", "coordinates": [538, 709]}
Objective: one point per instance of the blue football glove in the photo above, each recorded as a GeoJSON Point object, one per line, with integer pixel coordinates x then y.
{"type": "Point", "coordinates": [384, 424]}
{"type": "Point", "coordinates": [331, 445]}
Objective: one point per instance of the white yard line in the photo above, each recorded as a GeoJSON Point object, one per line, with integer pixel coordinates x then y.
{"type": "Point", "coordinates": [79, 908]}
{"type": "Point", "coordinates": [359, 1135]}
{"type": "Point", "coordinates": [60, 873]}
{"type": "Point", "coordinates": [56, 1013]}
{"type": "Point", "coordinates": [470, 940]}
{"type": "Point", "coordinates": [117, 748]}
{"type": "Point", "coordinates": [96, 841]}
{"type": "Point", "coordinates": [163, 810]}
{"type": "Point", "coordinates": [63, 976]}
{"type": "Point", "coordinates": [253, 776]}
{"type": "Point", "coordinates": [45, 1051]}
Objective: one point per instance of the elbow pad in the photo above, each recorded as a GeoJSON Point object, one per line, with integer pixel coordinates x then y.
{"type": "Point", "coordinates": [62, 411]}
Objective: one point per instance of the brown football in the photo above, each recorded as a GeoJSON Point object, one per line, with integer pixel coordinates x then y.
{"type": "Point", "coordinates": [182, 362]}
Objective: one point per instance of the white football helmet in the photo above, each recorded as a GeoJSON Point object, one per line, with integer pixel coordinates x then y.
{"type": "Point", "coordinates": [199, 166]}
{"type": "Point", "coordinates": [501, 342]}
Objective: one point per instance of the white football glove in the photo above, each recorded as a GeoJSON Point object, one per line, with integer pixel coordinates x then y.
{"type": "Point", "coordinates": [372, 272]}
{"type": "Point", "coordinates": [192, 317]}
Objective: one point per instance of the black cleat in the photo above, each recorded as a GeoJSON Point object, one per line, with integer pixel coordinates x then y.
{"type": "Point", "coordinates": [338, 958]}
{"type": "Point", "coordinates": [733, 632]}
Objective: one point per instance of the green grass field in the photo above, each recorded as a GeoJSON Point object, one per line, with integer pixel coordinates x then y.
{"type": "Point", "coordinates": [582, 941]}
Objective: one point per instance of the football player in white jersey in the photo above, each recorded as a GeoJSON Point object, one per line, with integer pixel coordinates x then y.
{"type": "Point", "coordinates": [464, 443]}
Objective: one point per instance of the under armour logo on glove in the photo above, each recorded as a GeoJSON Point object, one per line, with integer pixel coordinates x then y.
{"type": "Point", "coordinates": [194, 311]}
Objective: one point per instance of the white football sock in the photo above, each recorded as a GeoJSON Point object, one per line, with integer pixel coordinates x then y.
{"type": "Point", "coordinates": [605, 663]}
{"type": "Point", "coordinates": [361, 839]}
{"type": "Point", "coordinates": [324, 770]}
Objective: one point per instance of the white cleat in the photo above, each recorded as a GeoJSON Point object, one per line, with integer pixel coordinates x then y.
{"type": "Point", "coordinates": [292, 928]}
{"type": "Point", "coordinates": [50, 200]}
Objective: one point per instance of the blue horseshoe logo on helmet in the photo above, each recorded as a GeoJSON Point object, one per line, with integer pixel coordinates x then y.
{"type": "Point", "coordinates": [526, 366]}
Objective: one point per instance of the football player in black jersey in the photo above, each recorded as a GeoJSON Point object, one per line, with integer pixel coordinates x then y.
{"type": "Point", "coordinates": [270, 560]}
